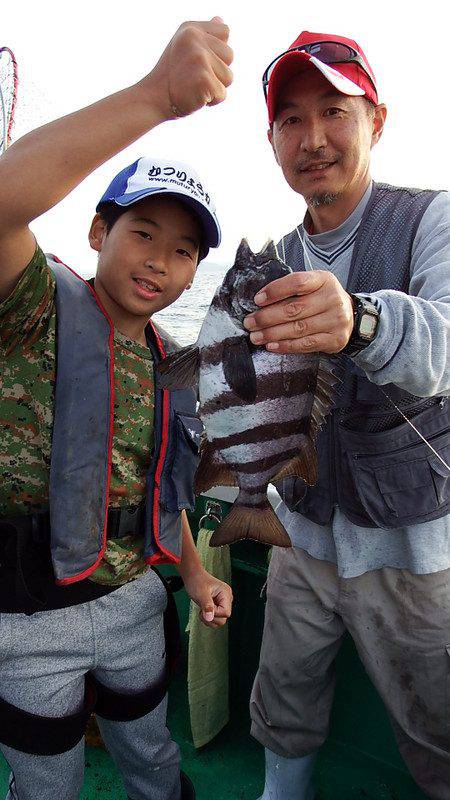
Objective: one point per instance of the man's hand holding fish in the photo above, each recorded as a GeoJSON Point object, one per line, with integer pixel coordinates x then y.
{"type": "Point", "coordinates": [303, 312]}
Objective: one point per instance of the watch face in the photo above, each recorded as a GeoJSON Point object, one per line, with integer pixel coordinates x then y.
{"type": "Point", "coordinates": [368, 326]}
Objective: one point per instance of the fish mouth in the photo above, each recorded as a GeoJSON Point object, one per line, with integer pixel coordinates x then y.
{"type": "Point", "coordinates": [248, 306]}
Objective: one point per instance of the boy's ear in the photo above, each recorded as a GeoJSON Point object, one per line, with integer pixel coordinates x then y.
{"type": "Point", "coordinates": [97, 233]}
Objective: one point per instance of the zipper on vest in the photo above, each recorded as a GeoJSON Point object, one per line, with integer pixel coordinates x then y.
{"type": "Point", "coordinates": [404, 449]}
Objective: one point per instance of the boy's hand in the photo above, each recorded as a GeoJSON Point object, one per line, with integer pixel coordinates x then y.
{"type": "Point", "coordinates": [193, 70]}
{"type": "Point", "coordinates": [214, 597]}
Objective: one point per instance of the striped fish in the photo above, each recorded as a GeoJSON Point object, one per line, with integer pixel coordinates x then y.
{"type": "Point", "coordinates": [261, 411]}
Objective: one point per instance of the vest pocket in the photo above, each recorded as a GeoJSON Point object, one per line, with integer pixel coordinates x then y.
{"type": "Point", "coordinates": [403, 487]}
{"type": "Point", "coordinates": [187, 430]}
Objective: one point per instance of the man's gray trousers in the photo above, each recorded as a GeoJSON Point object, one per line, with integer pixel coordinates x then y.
{"type": "Point", "coordinates": [400, 624]}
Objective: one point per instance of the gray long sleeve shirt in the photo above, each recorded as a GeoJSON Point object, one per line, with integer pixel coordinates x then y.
{"type": "Point", "coordinates": [411, 349]}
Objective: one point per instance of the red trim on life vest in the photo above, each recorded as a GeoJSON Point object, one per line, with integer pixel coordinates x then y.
{"type": "Point", "coordinates": [161, 458]}
{"type": "Point", "coordinates": [159, 559]}
{"type": "Point", "coordinates": [85, 574]}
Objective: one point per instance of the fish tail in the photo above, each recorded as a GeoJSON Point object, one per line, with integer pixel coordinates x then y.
{"type": "Point", "coordinates": [243, 522]}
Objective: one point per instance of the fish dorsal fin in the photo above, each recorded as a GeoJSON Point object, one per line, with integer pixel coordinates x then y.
{"type": "Point", "coordinates": [180, 370]}
{"type": "Point", "coordinates": [244, 254]}
{"type": "Point", "coordinates": [324, 396]}
{"type": "Point", "coordinates": [238, 367]}
{"type": "Point", "coordinates": [268, 253]}
{"type": "Point", "coordinates": [212, 469]}
{"type": "Point", "coordinates": [304, 465]}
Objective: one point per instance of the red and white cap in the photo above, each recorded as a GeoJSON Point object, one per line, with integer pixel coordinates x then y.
{"type": "Point", "coordinates": [350, 78]}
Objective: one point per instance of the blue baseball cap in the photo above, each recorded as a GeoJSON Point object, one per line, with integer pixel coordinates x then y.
{"type": "Point", "coordinates": [152, 176]}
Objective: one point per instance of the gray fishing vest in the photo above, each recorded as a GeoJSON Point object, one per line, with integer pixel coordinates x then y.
{"type": "Point", "coordinates": [371, 463]}
{"type": "Point", "coordinates": [82, 439]}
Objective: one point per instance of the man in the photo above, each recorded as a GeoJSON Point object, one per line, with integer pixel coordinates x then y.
{"type": "Point", "coordinates": [97, 463]}
{"type": "Point", "coordinates": [371, 541]}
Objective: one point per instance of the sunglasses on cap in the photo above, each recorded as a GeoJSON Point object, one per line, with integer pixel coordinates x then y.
{"type": "Point", "coordinates": [327, 52]}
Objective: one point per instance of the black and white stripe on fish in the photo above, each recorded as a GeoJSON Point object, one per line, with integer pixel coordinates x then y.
{"type": "Point", "coordinates": [261, 411]}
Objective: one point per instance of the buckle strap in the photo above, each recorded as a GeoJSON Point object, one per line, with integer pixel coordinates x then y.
{"type": "Point", "coordinates": [122, 521]}
{"type": "Point", "coordinates": [125, 521]}
{"type": "Point", "coordinates": [17, 535]}
{"type": "Point", "coordinates": [25, 549]}
{"type": "Point", "coordinates": [36, 526]}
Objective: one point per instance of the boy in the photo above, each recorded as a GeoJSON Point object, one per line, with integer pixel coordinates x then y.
{"type": "Point", "coordinates": [96, 463]}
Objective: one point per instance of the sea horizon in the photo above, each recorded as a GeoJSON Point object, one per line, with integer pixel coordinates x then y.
{"type": "Point", "coordinates": [183, 319]}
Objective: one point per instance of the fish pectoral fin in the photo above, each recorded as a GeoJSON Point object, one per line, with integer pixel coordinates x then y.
{"type": "Point", "coordinates": [302, 466]}
{"type": "Point", "coordinates": [259, 524]}
{"type": "Point", "coordinates": [327, 386]}
{"type": "Point", "coordinates": [212, 470]}
{"type": "Point", "coordinates": [238, 367]}
{"type": "Point", "coordinates": [180, 370]}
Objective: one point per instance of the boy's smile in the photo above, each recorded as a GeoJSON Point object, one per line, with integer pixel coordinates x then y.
{"type": "Point", "coordinates": [146, 260]}
{"type": "Point", "coordinates": [147, 289]}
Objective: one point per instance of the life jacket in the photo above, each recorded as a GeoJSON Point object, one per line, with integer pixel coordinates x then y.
{"type": "Point", "coordinates": [371, 463]}
{"type": "Point", "coordinates": [80, 469]}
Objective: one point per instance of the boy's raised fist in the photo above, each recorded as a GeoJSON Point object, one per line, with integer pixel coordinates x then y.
{"type": "Point", "coordinates": [193, 70]}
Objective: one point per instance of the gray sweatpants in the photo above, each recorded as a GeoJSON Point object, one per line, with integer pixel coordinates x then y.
{"type": "Point", "coordinates": [43, 661]}
{"type": "Point", "coordinates": [400, 624]}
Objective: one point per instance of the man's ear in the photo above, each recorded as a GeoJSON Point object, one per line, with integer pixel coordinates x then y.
{"type": "Point", "coordinates": [378, 122]}
{"type": "Point", "coordinates": [97, 233]}
{"type": "Point", "coordinates": [270, 138]}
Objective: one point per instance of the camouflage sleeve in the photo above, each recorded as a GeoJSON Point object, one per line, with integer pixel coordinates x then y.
{"type": "Point", "coordinates": [25, 314]}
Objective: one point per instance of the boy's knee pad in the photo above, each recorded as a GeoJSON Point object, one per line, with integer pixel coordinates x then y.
{"type": "Point", "coordinates": [40, 735]}
{"type": "Point", "coordinates": [44, 736]}
{"type": "Point", "coordinates": [123, 707]}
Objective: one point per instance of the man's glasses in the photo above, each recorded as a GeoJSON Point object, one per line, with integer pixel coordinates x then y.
{"type": "Point", "coordinates": [328, 52]}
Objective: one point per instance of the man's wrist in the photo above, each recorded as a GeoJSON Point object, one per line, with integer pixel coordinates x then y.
{"type": "Point", "coordinates": [365, 325]}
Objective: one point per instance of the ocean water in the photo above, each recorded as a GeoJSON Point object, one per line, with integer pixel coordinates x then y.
{"type": "Point", "coordinates": [183, 319]}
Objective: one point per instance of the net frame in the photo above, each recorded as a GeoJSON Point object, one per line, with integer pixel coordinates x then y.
{"type": "Point", "coordinates": [8, 95]}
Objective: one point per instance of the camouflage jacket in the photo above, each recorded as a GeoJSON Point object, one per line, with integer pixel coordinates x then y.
{"type": "Point", "coordinates": [97, 459]}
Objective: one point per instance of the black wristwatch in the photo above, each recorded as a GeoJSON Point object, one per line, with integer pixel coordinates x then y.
{"type": "Point", "coordinates": [365, 326]}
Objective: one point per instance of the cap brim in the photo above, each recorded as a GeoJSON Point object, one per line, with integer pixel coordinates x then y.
{"type": "Point", "coordinates": [294, 63]}
{"type": "Point", "coordinates": [207, 218]}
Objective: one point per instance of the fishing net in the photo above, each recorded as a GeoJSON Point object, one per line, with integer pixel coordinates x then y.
{"type": "Point", "coordinates": [8, 95]}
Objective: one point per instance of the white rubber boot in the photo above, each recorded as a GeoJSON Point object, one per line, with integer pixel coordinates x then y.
{"type": "Point", "coordinates": [288, 778]}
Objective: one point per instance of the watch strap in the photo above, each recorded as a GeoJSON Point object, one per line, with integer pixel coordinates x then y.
{"type": "Point", "coordinates": [358, 341]}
